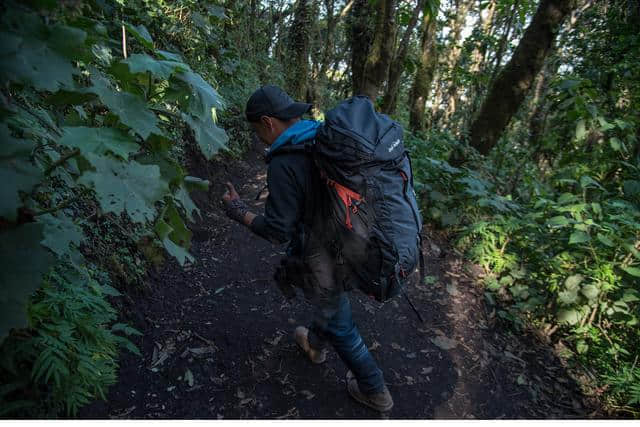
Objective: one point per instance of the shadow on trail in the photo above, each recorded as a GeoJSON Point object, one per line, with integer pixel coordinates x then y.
{"type": "Point", "coordinates": [218, 340]}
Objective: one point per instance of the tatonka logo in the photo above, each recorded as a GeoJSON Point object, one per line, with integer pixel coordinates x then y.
{"type": "Point", "coordinates": [394, 145]}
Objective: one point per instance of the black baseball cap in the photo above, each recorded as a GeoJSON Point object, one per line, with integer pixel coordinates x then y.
{"type": "Point", "coordinates": [273, 102]}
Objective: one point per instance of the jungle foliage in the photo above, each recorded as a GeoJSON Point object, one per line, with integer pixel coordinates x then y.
{"type": "Point", "coordinates": [91, 131]}
{"type": "Point", "coordinates": [103, 99]}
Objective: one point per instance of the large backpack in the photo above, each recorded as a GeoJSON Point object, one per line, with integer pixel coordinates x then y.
{"type": "Point", "coordinates": [371, 213]}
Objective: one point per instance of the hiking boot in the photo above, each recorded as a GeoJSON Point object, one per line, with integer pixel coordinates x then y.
{"type": "Point", "coordinates": [301, 336]}
{"type": "Point", "coordinates": [379, 401]}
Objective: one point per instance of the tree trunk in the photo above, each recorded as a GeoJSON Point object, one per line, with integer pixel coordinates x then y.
{"type": "Point", "coordinates": [455, 49]}
{"type": "Point", "coordinates": [537, 116]}
{"type": "Point", "coordinates": [515, 80]}
{"type": "Point", "coordinates": [298, 61]}
{"type": "Point", "coordinates": [360, 37]}
{"type": "Point", "coordinates": [479, 57]}
{"type": "Point", "coordinates": [378, 60]}
{"type": "Point", "coordinates": [424, 74]}
{"type": "Point", "coordinates": [389, 100]}
{"type": "Point", "coordinates": [502, 46]}
{"type": "Point", "coordinates": [444, 82]}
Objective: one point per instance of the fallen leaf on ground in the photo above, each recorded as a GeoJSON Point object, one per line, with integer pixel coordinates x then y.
{"type": "Point", "coordinates": [427, 370]}
{"type": "Point", "coordinates": [307, 394]}
{"type": "Point", "coordinates": [274, 341]}
{"type": "Point", "coordinates": [198, 351]}
{"type": "Point", "coordinates": [247, 400]}
{"type": "Point", "coordinates": [452, 289]}
{"type": "Point", "coordinates": [444, 342]}
{"type": "Point", "coordinates": [397, 346]}
{"type": "Point", "coordinates": [374, 346]}
{"type": "Point", "coordinates": [293, 412]}
{"type": "Point", "coordinates": [188, 377]}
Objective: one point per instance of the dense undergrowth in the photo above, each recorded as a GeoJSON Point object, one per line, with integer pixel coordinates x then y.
{"type": "Point", "coordinates": [96, 111]}
{"type": "Point", "coordinates": [556, 225]}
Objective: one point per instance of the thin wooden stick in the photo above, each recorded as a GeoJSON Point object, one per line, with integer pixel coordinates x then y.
{"type": "Point", "coordinates": [124, 41]}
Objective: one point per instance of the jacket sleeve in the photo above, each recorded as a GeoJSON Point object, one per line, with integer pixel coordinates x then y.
{"type": "Point", "coordinates": [285, 202]}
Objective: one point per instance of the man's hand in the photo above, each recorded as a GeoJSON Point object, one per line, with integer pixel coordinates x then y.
{"type": "Point", "coordinates": [230, 194]}
{"type": "Point", "coordinates": [235, 208]}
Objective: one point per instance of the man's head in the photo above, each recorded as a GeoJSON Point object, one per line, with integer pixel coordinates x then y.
{"type": "Point", "coordinates": [270, 111]}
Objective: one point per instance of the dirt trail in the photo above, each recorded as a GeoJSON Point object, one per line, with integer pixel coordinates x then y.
{"type": "Point", "coordinates": [217, 339]}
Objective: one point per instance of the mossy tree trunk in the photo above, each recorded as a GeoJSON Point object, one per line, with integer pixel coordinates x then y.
{"type": "Point", "coordinates": [389, 101]}
{"type": "Point", "coordinates": [379, 58]}
{"type": "Point", "coordinates": [423, 78]}
{"type": "Point", "coordinates": [298, 45]}
{"type": "Point", "coordinates": [515, 80]}
{"type": "Point", "coordinates": [360, 38]}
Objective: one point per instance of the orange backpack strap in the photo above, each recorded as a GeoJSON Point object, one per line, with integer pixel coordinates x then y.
{"type": "Point", "coordinates": [347, 196]}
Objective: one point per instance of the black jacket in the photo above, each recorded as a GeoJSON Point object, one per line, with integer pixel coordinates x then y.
{"type": "Point", "coordinates": [292, 181]}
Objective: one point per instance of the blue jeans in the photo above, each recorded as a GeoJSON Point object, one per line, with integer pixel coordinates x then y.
{"type": "Point", "coordinates": [340, 331]}
{"type": "Point", "coordinates": [333, 323]}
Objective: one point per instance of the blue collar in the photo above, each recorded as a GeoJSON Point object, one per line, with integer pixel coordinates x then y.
{"type": "Point", "coordinates": [301, 131]}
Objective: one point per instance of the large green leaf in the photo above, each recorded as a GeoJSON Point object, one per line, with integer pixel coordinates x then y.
{"type": "Point", "coordinates": [210, 138]}
{"type": "Point", "coordinates": [101, 140]}
{"type": "Point", "coordinates": [59, 232]}
{"type": "Point", "coordinates": [198, 97]}
{"type": "Point", "coordinates": [217, 11]}
{"type": "Point", "coordinates": [31, 62]}
{"type": "Point", "coordinates": [182, 196]}
{"type": "Point", "coordinates": [131, 109]}
{"type": "Point", "coordinates": [36, 54]}
{"type": "Point", "coordinates": [175, 236]}
{"type": "Point", "coordinates": [142, 63]}
{"type": "Point", "coordinates": [590, 291]}
{"type": "Point", "coordinates": [605, 240]}
{"type": "Point", "coordinates": [180, 234]}
{"type": "Point", "coordinates": [570, 317]}
{"type": "Point", "coordinates": [634, 271]}
{"type": "Point", "coordinates": [17, 173]}
{"type": "Point", "coordinates": [631, 188]}
{"type": "Point", "coordinates": [568, 297]}
{"type": "Point", "coordinates": [579, 237]}
{"type": "Point", "coordinates": [164, 230]}
{"type": "Point", "coordinates": [558, 221]}
{"type": "Point", "coordinates": [170, 56]}
{"type": "Point", "coordinates": [24, 261]}
{"type": "Point", "coordinates": [141, 34]}
{"type": "Point", "coordinates": [474, 186]}
{"type": "Point", "coordinates": [170, 170]}
{"type": "Point", "coordinates": [125, 187]}
{"type": "Point", "coordinates": [180, 253]}
{"type": "Point", "coordinates": [573, 281]}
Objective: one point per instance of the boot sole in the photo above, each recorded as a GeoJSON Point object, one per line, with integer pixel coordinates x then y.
{"type": "Point", "coordinates": [354, 392]}
{"type": "Point", "coordinates": [323, 354]}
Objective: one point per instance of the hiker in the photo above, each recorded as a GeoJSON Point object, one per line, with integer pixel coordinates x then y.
{"type": "Point", "coordinates": [294, 197]}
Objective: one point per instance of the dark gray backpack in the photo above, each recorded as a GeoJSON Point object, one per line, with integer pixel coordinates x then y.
{"type": "Point", "coordinates": [371, 209]}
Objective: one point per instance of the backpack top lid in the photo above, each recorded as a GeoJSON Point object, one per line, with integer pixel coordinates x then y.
{"type": "Point", "coordinates": [357, 120]}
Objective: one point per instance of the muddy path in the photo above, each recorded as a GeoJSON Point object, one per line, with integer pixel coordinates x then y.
{"type": "Point", "coordinates": [218, 340]}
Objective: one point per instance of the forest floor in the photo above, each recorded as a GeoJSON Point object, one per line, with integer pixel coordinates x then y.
{"type": "Point", "coordinates": [217, 338]}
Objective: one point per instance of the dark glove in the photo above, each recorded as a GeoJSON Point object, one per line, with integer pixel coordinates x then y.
{"type": "Point", "coordinates": [236, 209]}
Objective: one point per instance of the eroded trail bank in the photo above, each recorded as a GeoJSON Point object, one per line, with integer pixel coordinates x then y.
{"type": "Point", "coordinates": [218, 340]}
